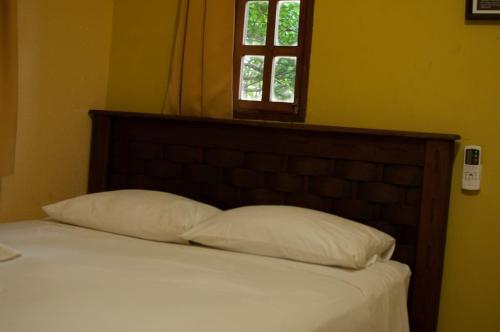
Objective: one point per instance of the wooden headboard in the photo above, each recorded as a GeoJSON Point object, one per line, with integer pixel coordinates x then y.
{"type": "Point", "coordinates": [398, 182]}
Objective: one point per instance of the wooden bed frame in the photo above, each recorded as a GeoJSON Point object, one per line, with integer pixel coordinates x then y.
{"type": "Point", "coordinates": [398, 182]}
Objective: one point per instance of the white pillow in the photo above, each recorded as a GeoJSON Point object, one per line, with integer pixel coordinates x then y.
{"type": "Point", "coordinates": [294, 233]}
{"type": "Point", "coordinates": [145, 214]}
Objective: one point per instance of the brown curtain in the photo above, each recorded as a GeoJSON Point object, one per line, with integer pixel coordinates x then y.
{"type": "Point", "coordinates": [201, 72]}
{"type": "Point", "coordinates": [8, 84]}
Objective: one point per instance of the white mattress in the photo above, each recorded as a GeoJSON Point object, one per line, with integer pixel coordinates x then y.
{"type": "Point", "coordinates": [74, 279]}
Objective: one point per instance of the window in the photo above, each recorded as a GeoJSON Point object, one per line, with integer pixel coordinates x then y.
{"type": "Point", "coordinates": [271, 58]}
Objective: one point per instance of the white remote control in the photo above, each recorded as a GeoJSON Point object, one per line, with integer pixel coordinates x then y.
{"type": "Point", "coordinates": [471, 178]}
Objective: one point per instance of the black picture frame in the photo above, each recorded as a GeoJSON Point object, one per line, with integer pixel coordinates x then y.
{"type": "Point", "coordinates": [476, 10]}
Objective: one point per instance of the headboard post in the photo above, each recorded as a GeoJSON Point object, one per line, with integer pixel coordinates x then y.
{"type": "Point", "coordinates": [432, 234]}
{"type": "Point", "coordinates": [99, 156]}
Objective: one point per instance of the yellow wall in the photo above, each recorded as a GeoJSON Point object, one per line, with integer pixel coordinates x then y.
{"type": "Point", "coordinates": [64, 51]}
{"type": "Point", "coordinates": [407, 65]}
{"type": "Point", "coordinates": [143, 36]}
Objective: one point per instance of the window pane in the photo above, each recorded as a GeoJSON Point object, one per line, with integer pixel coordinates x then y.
{"type": "Point", "coordinates": [255, 23]}
{"type": "Point", "coordinates": [252, 73]}
{"type": "Point", "coordinates": [283, 80]}
{"type": "Point", "coordinates": [287, 23]}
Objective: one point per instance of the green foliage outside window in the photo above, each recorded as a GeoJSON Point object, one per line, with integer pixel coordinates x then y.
{"type": "Point", "coordinates": [256, 23]}
{"type": "Point", "coordinates": [284, 80]}
{"type": "Point", "coordinates": [253, 69]}
{"type": "Point", "coordinates": [287, 35]}
{"type": "Point", "coordinates": [288, 26]}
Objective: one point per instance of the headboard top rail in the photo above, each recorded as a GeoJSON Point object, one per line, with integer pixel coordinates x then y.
{"type": "Point", "coordinates": [283, 125]}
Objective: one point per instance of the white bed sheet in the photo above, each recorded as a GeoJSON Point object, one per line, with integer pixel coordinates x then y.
{"type": "Point", "coordinates": [75, 279]}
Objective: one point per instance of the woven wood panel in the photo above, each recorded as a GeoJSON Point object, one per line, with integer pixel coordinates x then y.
{"type": "Point", "coordinates": [380, 194]}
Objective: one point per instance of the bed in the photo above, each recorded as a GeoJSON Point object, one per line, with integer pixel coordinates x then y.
{"type": "Point", "coordinates": [397, 182]}
{"type": "Point", "coordinates": [85, 280]}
